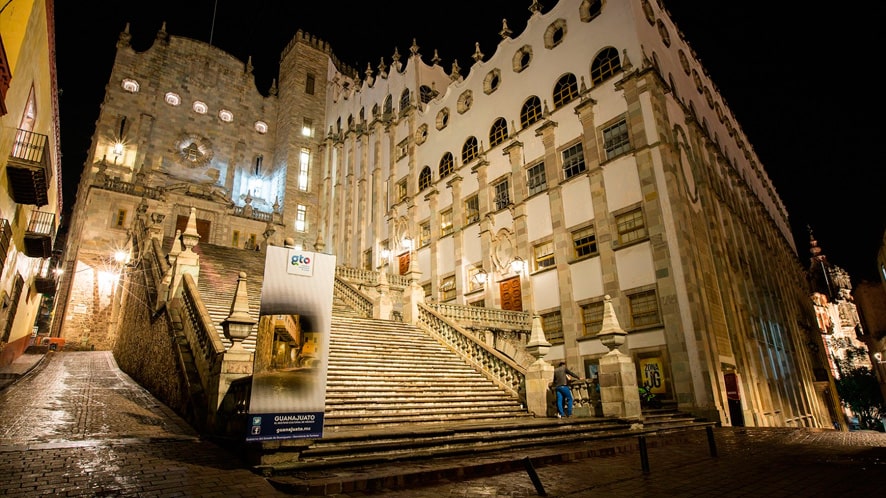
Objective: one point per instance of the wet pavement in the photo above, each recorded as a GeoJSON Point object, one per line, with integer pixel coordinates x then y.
{"type": "Point", "coordinates": [74, 425]}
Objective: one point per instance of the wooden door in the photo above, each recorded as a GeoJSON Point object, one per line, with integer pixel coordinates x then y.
{"type": "Point", "coordinates": [511, 296]}
{"type": "Point", "coordinates": [403, 263]}
{"type": "Point", "coordinates": [203, 226]}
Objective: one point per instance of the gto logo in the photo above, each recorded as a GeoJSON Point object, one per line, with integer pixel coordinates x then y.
{"type": "Point", "coordinates": [298, 259]}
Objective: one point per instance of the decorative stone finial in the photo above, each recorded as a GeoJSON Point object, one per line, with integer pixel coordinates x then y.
{"type": "Point", "coordinates": [505, 31]}
{"type": "Point", "coordinates": [435, 60]}
{"type": "Point", "coordinates": [456, 71]}
{"type": "Point", "coordinates": [535, 7]}
{"type": "Point", "coordinates": [537, 346]}
{"type": "Point", "coordinates": [238, 325]}
{"type": "Point", "coordinates": [478, 55]}
{"type": "Point", "coordinates": [414, 48]}
{"type": "Point", "coordinates": [611, 334]}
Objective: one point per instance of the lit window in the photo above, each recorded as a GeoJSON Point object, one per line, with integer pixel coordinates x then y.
{"type": "Point", "coordinates": [225, 115]}
{"type": "Point", "coordinates": [499, 132]}
{"type": "Point", "coordinates": [472, 209]}
{"type": "Point", "coordinates": [531, 111]}
{"type": "Point", "coordinates": [307, 127]}
{"type": "Point", "coordinates": [469, 150]}
{"type": "Point", "coordinates": [630, 226]}
{"type": "Point", "coordinates": [424, 235]}
{"type": "Point", "coordinates": [261, 127]}
{"type": "Point", "coordinates": [200, 107]}
{"type": "Point", "coordinates": [476, 278]}
{"type": "Point", "coordinates": [536, 180]}
{"type": "Point", "coordinates": [584, 242]}
{"type": "Point", "coordinates": [552, 324]}
{"type": "Point", "coordinates": [644, 309]}
{"type": "Point", "coordinates": [566, 90]}
{"type": "Point", "coordinates": [605, 65]}
{"type": "Point", "coordinates": [573, 161]}
{"type": "Point", "coordinates": [173, 99]}
{"type": "Point", "coordinates": [543, 255]}
{"type": "Point", "coordinates": [447, 164]}
{"type": "Point", "coordinates": [301, 218]}
{"type": "Point", "coordinates": [446, 222]}
{"type": "Point", "coordinates": [401, 190]}
{"type": "Point", "coordinates": [502, 195]}
{"type": "Point", "coordinates": [447, 288]}
{"type": "Point", "coordinates": [592, 317]}
{"type": "Point", "coordinates": [130, 85]}
{"type": "Point", "coordinates": [616, 140]}
{"type": "Point", "coordinates": [304, 161]}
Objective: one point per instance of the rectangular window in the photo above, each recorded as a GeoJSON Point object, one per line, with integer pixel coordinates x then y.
{"type": "Point", "coordinates": [536, 181]}
{"type": "Point", "coordinates": [644, 309]}
{"type": "Point", "coordinates": [367, 259]}
{"type": "Point", "coordinates": [402, 149]}
{"type": "Point", "coordinates": [235, 238]}
{"type": "Point", "coordinates": [307, 127]}
{"type": "Point", "coordinates": [472, 210]}
{"type": "Point", "coordinates": [304, 162]}
{"type": "Point", "coordinates": [592, 317]}
{"type": "Point", "coordinates": [573, 161]}
{"type": "Point", "coordinates": [447, 288]}
{"type": "Point", "coordinates": [301, 218]}
{"type": "Point", "coordinates": [584, 241]}
{"type": "Point", "coordinates": [552, 324]}
{"type": "Point", "coordinates": [616, 140]}
{"type": "Point", "coordinates": [445, 222]}
{"type": "Point", "coordinates": [401, 190]}
{"type": "Point", "coordinates": [630, 226]}
{"type": "Point", "coordinates": [502, 195]}
{"type": "Point", "coordinates": [424, 235]}
{"type": "Point", "coordinates": [121, 218]}
{"type": "Point", "coordinates": [309, 84]}
{"type": "Point", "coordinates": [543, 255]}
{"type": "Point", "coordinates": [476, 278]}
{"type": "Point", "coordinates": [480, 303]}
{"type": "Point", "coordinates": [427, 290]}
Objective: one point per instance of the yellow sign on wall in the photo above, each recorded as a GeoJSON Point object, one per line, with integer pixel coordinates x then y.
{"type": "Point", "coordinates": [652, 374]}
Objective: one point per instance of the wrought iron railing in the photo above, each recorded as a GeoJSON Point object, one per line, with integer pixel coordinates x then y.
{"type": "Point", "coordinates": [33, 148]}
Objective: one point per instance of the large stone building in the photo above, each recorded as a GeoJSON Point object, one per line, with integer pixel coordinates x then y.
{"type": "Point", "coordinates": [30, 173]}
{"type": "Point", "coordinates": [588, 156]}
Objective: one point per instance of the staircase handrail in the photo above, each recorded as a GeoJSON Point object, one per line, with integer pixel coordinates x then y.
{"type": "Point", "coordinates": [503, 371]}
{"type": "Point", "coordinates": [478, 316]}
{"type": "Point", "coordinates": [369, 277]}
{"type": "Point", "coordinates": [354, 298]}
{"type": "Point", "coordinates": [206, 346]}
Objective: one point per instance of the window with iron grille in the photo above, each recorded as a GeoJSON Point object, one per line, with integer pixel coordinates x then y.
{"type": "Point", "coordinates": [573, 161]}
{"type": "Point", "coordinates": [565, 91]}
{"type": "Point", "coordinates": [644, 309]}
{"type": "Point", "coordinates": [592, 317]}
{"type": "Point", "coordinates": [499, 132]}
{"type": "Point", "coordinates": [584, 241]}
{"type": "Point", "coordinates": [616, 140]}
{"type": "Point", "coordinates": [472, 210]}
{"type": "Point", "coordinates": [447, 288]}
{"type": "Point", "coordinates": [630, 226]}
{"type": "Point", "coordinates": [536, 181]}
{"type": "Point", "coordinates": [552, 324]}
{"type": "Point", "coordinates": [502, 195]}
{"type": "Point", "coordinates": [543, 255]}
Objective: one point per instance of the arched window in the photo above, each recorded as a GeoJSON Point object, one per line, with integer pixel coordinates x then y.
{"type": "Point", "coordinates": [469, 150]}
{"type": "Point", "coordinates": [404, 100]}
{"type": "Point", "coordinates": [566, 90]}
{"type": "Point", "coordinates": [499, 132]}
{"type": "Point", "coordinates": [425, 93]}
{"type": "Point", "coordinates": [388, 107]}
{"type": "Point", "coordinates": [605, 65]}
{"type": "Point", "coordinates": [424, 178]}
{"type": "Point", "coordinates": [447, 165]}
{"type": "Point", "coordinates": [530, 112]}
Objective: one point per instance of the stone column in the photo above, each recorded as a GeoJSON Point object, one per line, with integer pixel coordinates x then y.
{"type": "Point", "coordinates": [382, 305]}
{"type": "Point", "coordinates": [619, 392]}
{"type": "Point", "coordinates": [413, 293]}
{"type": "Point", "coordinates": [540, 373]}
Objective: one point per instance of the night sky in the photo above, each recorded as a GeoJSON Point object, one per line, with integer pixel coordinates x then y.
{"type": "Point", "coordinates": [801, 81]}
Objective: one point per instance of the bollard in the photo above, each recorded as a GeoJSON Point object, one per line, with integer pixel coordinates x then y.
{"type": "Point", "coordinates": [644, 457]}
{"type": "Point", "coordinates": [532, 475]}
{"type": "Point", "coordinates": [711, 443]}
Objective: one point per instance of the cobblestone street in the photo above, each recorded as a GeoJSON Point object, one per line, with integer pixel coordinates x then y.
{"type": "Point", "coordinates": [77, 426]}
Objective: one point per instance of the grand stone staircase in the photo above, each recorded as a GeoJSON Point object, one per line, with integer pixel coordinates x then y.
{"type": "Point", "coordinates": [397, 398]}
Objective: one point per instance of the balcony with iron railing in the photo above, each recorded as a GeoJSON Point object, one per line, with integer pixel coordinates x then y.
{"type": "Point", "coordinates": [39, 234]}
{"type": "Point", "coordinates": [46, 279]}
{"type": "Point", "coordinates": [5, 238]}
{"type": "Point", "coordinates": [29, 169]}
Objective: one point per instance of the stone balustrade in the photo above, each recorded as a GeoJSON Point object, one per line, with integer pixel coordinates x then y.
{"type": "Point", "coordinates": [353, 298]}
{"type": "Point", "coordinates": [485, 318]}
